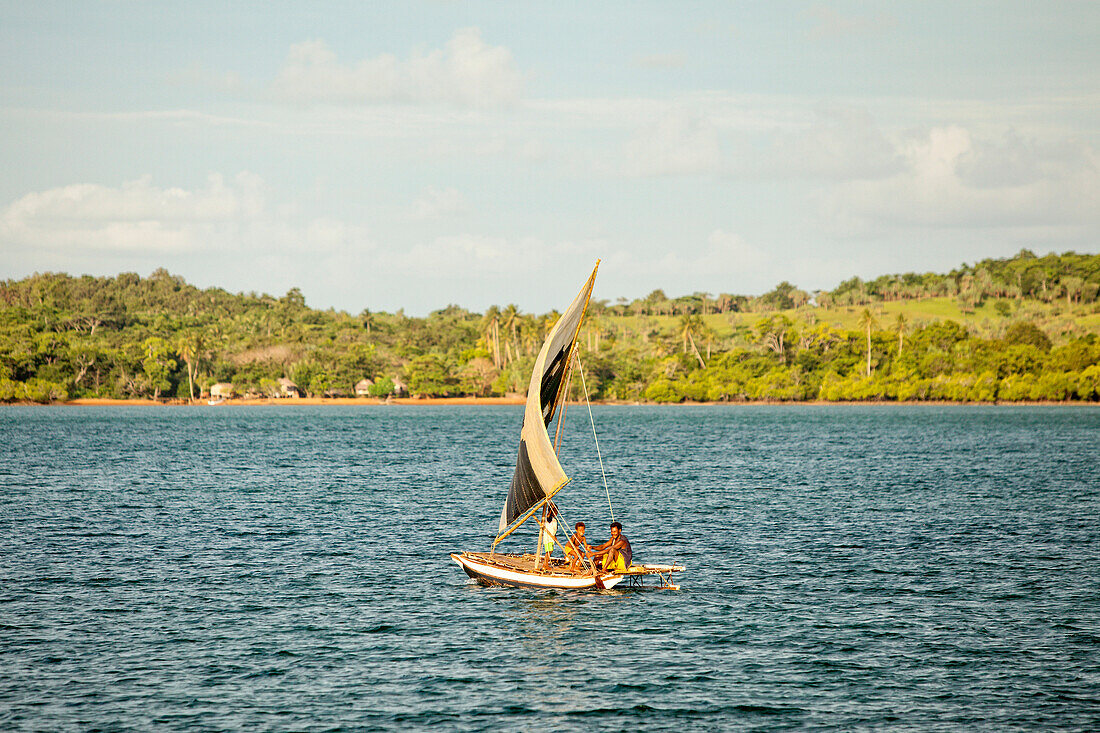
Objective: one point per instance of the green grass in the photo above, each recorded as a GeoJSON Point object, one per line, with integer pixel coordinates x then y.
{"type": "Point", "coordinates": [1059, 319]}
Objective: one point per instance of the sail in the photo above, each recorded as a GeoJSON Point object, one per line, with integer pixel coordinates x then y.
{"type": "Point", "coordinates": [538, 472]}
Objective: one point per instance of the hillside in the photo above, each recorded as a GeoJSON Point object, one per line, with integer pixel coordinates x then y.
{"type": "Point", "coordinates": [1021, 328]}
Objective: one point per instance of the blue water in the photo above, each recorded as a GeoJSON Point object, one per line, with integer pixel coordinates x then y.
{"type": "Point", "coordinates": [270, 568]}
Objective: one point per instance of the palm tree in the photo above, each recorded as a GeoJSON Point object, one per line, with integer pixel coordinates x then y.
{"type": "Point", "coordinates": [691, 323]}
{"type": "Point", "coordinates": [189, 348]}
{"type": "Point", "coordinates": [490, 327]}
{"type": "Point", "coordinates": [703, 297]}
{"type": "Point", "coordinates": [899, 325]}
{"type": "Point", "coordinates": [529, 330]}
{"type": "Point", "coordinates": [867, 320]}
{"type": "Point", "coordinates": [772, 333]}
{"type": "Point", "coordinates": [510, 316]}
{"type": "Point", "coordinates": [708, 337]}
{"type": "Point", "coordinates": [548, 322]}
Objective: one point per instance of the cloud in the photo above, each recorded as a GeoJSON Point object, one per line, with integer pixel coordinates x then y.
{"type": "Point", "coordinates": [829, 23]}
{"type": "Point", "coordinates": [732, 253]}
{"type": "Point", "coordinates": [139, 219]}
{"type": "Point", "coordinates": [437, 203]}
{"type": "Point", "coordinates": [677, 144]}
{"type": "Point", "coordinates": [226, 82]}
{"type": "Point", "coordinates": [757, 142]}
{"type": "Point", "coordinates": [133, 217]}
{"type": "Point", "coordinates": [466, 72]}
{"type": "Point", "coordinates": [952, 180]}
{"type": "Point", "coordinates": [723, 261]}
{"type": "Point", "coordinates": [661, 61]}
{"type": "Point", "coordinates": [838, 145]}
{"type": "Point", "coordinates": [1019, 161]}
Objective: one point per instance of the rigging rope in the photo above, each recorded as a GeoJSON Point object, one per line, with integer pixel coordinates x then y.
{"type": "Point", "coordinates": [584, 557]}
{"type": "Point", "coordinates": [593, 421]}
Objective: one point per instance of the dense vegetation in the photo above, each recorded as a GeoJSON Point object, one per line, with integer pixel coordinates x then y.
{"type": "Point", "coordinates": [1023, 328]}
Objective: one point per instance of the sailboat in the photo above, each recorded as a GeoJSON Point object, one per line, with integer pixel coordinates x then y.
{"type": "Point", "coordinates": [539, 477]}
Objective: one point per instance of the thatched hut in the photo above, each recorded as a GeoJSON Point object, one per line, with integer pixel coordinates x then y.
{"type": "Point", "coordinates": [399, 387]}
{"type": "Point", "coordinates": [287, 388]}
{"type": "Point", "coordinates": [223, 390]}
{"type": "Point", "coordinates": [362, 387]}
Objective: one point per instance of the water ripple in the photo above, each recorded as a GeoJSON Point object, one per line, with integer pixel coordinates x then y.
{"type": "Point", "coordinates": [929, 568]}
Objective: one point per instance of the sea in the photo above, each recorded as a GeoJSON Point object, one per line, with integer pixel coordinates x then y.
{"type": "Point", "coordinates": [286, 568]}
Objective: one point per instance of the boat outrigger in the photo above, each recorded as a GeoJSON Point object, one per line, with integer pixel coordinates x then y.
{"type": "Point", "coordinates": [539, 477]}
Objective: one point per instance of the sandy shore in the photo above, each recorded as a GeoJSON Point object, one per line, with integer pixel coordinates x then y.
{"type": "Point", "coordinates": [324, 401]}
{"type": "Point", "coordinates": [519, 400]}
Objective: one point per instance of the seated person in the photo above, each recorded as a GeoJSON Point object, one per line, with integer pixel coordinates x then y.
{"type": "Point", "coordinates": [614, 555]}
{"type": "Point", "coordinates": [576, 548]}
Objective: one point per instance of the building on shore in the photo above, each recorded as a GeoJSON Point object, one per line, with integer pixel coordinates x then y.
{"type": "Point", "coordinates": [287, 388]}
{"type": "Point", "coordinates": [222, 390]}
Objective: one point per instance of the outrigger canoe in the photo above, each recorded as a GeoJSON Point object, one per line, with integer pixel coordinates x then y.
{"type": "Point", "coordinates": [539, 477]}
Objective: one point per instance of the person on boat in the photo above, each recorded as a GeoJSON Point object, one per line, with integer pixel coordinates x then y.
{"type": "Point", "coordinates": [614, 555]}
{"type": "Point", "coordinates": [549, 528]}
{"type": "Point", "coordinates": [576, 548]}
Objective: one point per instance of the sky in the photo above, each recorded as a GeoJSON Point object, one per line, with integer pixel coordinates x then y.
{"type": "Point", "coordinates": [421, 153]}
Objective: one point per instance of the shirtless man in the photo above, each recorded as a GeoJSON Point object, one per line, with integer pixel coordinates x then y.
{"type": "Point", "coordinates": [615, 554]}
{"type": "Point", "coordinates": [576, 548]}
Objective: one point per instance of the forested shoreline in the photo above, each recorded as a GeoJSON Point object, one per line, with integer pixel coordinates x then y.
{"type": "Point", "coordinates": [1024, 328]}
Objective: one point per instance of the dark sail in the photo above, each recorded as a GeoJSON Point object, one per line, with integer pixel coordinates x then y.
{"type": "Point", "coordinates": [538, 472]}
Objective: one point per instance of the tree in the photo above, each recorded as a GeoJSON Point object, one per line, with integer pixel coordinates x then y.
{"type": "Point", "coordinates": [189, 346]}
{"type": "Point", "coordinates": [1025, 332]}
{"type": "Point", "coordinates": [866, 321]}
{"type": "Point", "coordinates": [430, 375]}
{"type": "Point", "coordinates": [772, 333]}
{"type": "Point", "coordinates": [477, 376]}
{"type": "Point", "coordinates": [690, 324]}
{"type": "Point", "coordinates": [899, 325]}
{"type": "Point", "coordinates": [382, 387]}
{"type": "Point", "coordinates": [157, 365]}
{"type": "Point", "coordinates": [510, 316]}
{"type": "Point", "coordinates": [319, 383]}
{"type": "Point", "coordinates": [1073, 286]}
{"type": "Point", "coordinates": [780, 297]}
{"type": "Point", "coordinates": [490, 327]}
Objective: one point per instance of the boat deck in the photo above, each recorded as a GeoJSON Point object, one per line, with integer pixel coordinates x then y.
{"type": "Point", "coordinates": [522, 563]}
{"type": "Point", "coordinates": [525, 563]}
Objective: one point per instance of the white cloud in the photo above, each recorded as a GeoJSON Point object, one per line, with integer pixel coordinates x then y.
{"type": "Point", "coordinates": [732, 253]}
{"type": "Point", "coordinates": [829, 23]}
{"type": "Point", "coordinates": [746, 137]}
{"type": "Point", "coordinates": [437, 203]}
{"type": "Point", "coordinates": [661, 61]}
{"type": "Point", "coordinates": [725, 261]}
{"type": "Point", "coordinates": [1019, 161]}
{"type": "Point", "coordinates": [133, 217]}
{"type": "Point", "coordinates": [139, 218]}
{"type": "Point", "coordinates": [475, 255]}
{"type": "Point", "coordinates": [950, 180]}
{"type": "Point", "coordinates": [678, 144]}
{"type": "Point", "coordinates": [465, 72]}
{"type": "Point", "coordinates": [839, 145]}
{"type": "Point", "coordinates": [460, 253]}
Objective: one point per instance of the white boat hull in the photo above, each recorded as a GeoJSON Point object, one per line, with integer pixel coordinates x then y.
{"type": "Point", "coordinates": [491, 574]}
